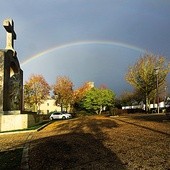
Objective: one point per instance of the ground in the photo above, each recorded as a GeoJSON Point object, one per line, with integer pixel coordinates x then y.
{"type": "Point", "coordinates": [132, 142]}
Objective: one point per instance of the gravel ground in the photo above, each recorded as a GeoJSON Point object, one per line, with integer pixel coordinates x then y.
{"type": "Point", "coordinates": [133, 142]}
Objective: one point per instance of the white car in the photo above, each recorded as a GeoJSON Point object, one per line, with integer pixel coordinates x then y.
{"type": "Point", "coordinates": [60, 115]}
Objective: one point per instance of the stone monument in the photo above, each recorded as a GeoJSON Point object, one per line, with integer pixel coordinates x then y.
{"type": "Point", "coordinates": [11, 75]}
{"type": "Point", "coordinates": [12, 116]}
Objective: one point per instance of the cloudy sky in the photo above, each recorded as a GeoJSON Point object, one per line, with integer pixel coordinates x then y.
{"type": "Point", "coordinates": [86, 40]}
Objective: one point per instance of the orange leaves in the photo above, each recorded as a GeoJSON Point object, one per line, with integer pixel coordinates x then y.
{"type": "Point", "coordinates": [36, 90]}
{"type": "Point", "coordinates": [63, 90]}
{"type": "Point", "coordinates": [80, 92]}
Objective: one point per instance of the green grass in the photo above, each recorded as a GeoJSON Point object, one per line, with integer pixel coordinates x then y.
{"type": "Point", "coordinates": [11, 159]}
{"type": "Point", "coordinates": [38, 126]}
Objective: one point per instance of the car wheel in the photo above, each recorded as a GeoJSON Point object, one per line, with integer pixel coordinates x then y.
{"type": "Point", "coordinates": [63, 117]}
{"type": "Point", "coordinates": [52, 118]}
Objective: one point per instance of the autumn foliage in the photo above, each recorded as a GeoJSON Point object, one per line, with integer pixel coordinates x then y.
{"type": "Point", "coordinates": [36, 90]}
{"type": "Point", "coordinates": [81, 91]}
{"type": "Point", "coordinates": [149, 72]}
{"type": "Point", "coordinates": [63, 91]}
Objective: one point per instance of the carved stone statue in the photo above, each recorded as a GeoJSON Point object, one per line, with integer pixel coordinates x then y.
{"type": "Point", "coordinates": [14, 92]}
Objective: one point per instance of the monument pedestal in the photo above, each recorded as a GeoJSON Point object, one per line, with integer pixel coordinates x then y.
{"type": "Point", "coordinates": [18, 122]}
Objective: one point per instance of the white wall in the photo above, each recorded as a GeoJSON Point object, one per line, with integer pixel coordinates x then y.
{"type": "Point", "coordinates": [49, 106]}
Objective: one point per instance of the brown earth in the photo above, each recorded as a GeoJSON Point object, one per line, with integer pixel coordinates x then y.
{"type": "Point", "coordinates": [133, 142]}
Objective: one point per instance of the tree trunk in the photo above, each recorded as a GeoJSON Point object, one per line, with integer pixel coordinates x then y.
{"type": "Point", "coordinates": [61, 107]}
{"type": "Point", "coordinates": [35, 107]}
{"type": "Point", "coordinates": [147, 104]}
{"type": "Point", "coordinates": [100, 111]}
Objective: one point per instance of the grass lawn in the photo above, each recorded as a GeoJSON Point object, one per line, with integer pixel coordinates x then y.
{"type": "Point", "coordinates": [128, 142]}
{"type": "Point", "coordinates": [136, 141]}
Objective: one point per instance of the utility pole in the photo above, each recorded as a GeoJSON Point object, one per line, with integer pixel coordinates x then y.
{"type": "Point", "coordinates": [157, 86]}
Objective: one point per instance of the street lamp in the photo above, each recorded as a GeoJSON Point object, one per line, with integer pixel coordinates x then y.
{"type": "Point", "coordinates": [165, 94]}
{"type": "Point", "coordinates": [157, 87]}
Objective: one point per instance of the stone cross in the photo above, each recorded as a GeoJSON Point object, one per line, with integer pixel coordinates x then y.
{"type": "Point", "coordinates": [10, 33]}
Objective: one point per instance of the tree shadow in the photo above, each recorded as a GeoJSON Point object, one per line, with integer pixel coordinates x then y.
{"type": "Point", "coordinates": [72, 151]}
{"type": "Point", "coordinates": [94, 125]}
{"type": "Point", "coordinates": [150, 117]}
{"type": "Point", "coordinates": [73, 144]}
{"type": "Point", "coordinates": [154, 118]}
{"type": "Point", "coordinates": [11, 159]}
{"type": "Point", "coordinates": [81, 148]}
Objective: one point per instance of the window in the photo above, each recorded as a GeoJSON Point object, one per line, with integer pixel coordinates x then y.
{"type": "Point", "coordinates": [56, 113]}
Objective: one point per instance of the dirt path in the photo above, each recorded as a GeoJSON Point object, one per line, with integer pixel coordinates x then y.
{"type": "Point", "coordinates": [98, 142]}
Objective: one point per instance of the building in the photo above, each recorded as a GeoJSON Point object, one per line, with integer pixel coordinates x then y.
{"type": "Point", "coordinates": [49, 106]}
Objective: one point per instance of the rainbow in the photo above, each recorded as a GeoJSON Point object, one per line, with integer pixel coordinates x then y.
{"type": "Point", "coordinates": [58, 47]}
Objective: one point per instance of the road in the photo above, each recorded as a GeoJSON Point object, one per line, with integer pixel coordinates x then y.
{"type": "Point", "coordinates": [97, 142]}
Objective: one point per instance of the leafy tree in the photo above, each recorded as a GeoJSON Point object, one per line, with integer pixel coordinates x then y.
{"type": "Point", "coordinates": [36, 90]}
{"type": "Point", "coordinates": [80, 93]}
{"type": "Point", "coordinates": [143, 75]}
{"type": "Point", "coordinates": [96, 99]}
{"type": "Point", "coordinates": [63, 91]}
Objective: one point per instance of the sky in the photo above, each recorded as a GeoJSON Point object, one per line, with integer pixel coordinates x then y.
{"type": "Point", "coordinates": [86, 40]}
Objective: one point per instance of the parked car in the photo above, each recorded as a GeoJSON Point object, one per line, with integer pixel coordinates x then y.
{"type": "Point", "coordinates": [60, 115]}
